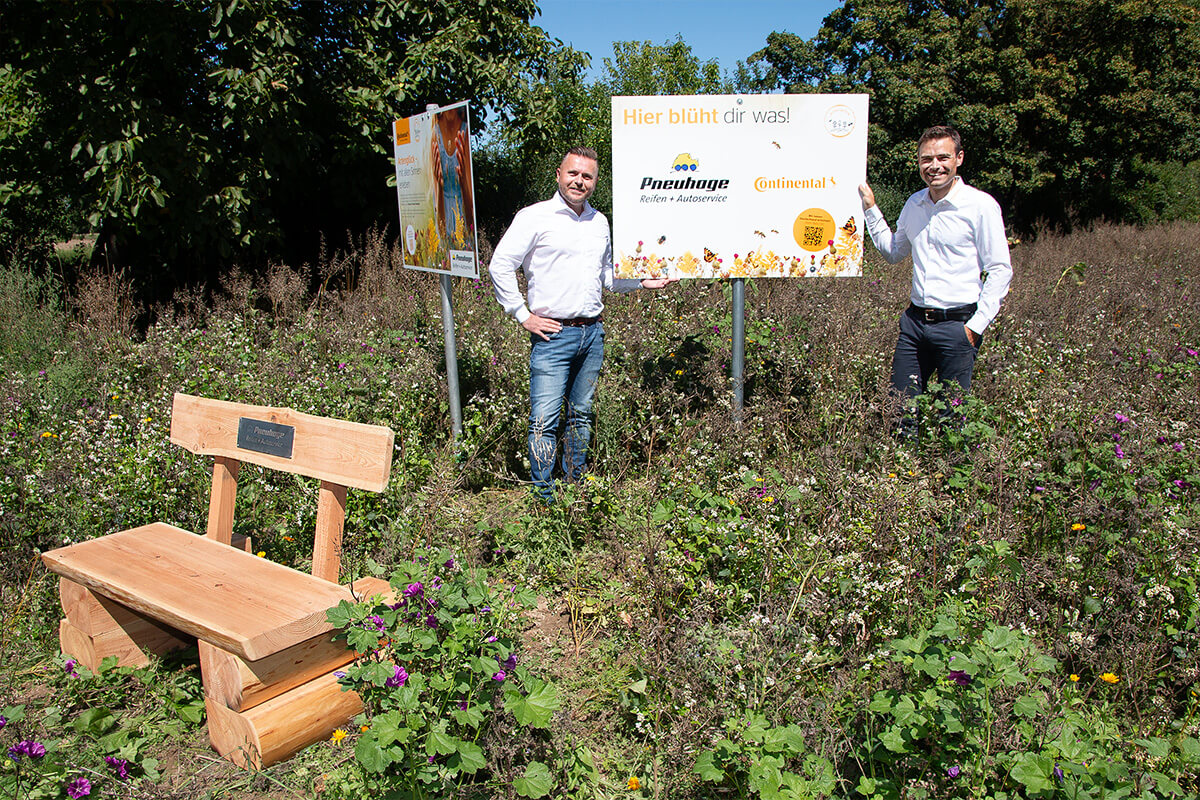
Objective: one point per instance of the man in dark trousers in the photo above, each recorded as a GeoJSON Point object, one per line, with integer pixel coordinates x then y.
{"type": "Point", "coordinates": [961, 269]}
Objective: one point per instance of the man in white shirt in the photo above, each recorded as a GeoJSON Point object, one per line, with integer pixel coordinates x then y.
{"type": "Point", "coordinates": [565, 249]}
{"type": "Point", "coordinates": [961, 268]}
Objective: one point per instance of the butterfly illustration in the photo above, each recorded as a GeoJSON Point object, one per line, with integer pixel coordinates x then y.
{"type": "Point", "coordinates": [709, 255]}
{"type": "Point", "coordinates": [850, 227]}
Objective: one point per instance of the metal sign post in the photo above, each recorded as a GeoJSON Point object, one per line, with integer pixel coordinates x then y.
{"type": "Point", "coordinates": [737, 364]}
{"type": "Point", "coordinates": [451, 357]}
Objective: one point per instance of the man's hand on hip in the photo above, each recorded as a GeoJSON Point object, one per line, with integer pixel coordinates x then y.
{"type": "Point", "coordinates": [972, 336]}
{"type": "Point", "coordinates": [541, 326]}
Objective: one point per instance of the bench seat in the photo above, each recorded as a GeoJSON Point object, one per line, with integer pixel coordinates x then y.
{"type": "Point", "coordinates": [243, 604]}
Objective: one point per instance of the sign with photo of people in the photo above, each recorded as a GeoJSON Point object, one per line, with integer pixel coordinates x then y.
{"type": "Point", "coordinates": [435, 191]}
{"type": "Point", "coordinates": [738, 186]}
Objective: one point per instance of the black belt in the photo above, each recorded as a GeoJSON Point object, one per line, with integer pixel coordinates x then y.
{"type": "Point", "coordinates": [959, 313]}
{"type": "Point", "coordinates": [578, 322]}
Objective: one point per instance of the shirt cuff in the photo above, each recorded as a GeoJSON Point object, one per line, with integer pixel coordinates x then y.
{"type": "Point", "coordinates": [523, 313]}
{"type": "Point", "coordinates": [978, 323]}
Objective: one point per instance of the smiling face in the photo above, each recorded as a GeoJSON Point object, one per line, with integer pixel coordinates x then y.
{"type": "Point", "coordinates": [577, 180]}
{"type": "Point", "coordinates": [938, 161]}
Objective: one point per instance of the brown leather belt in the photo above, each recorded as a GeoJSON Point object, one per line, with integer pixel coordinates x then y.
{"type": "Point", "coordinates": [578, 322]}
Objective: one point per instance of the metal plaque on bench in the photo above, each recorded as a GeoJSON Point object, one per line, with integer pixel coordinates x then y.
{"type": "Point", "coordinates": [269, 438]}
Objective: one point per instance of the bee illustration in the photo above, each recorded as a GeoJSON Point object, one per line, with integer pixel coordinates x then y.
{"type": "Point", "coordinates": [774, 231]}
{"type": "Point", "coordinates": [662, 239]}
{"type": "Point", "coordinates": [709, 255]}
{"type": "Point", "coordinates": [777, 147]}
{"type": "Point", "coordinates": [760, 233]}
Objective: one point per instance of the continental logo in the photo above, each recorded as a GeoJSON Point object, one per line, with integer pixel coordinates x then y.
{"type": "Point", "coordinates": [764, 184]}
{"type": "Point", "coordinates": [684, 163]}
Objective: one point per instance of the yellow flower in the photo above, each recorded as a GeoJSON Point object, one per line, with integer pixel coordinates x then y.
{"type": "Point", "coordinates": [364, 728]}
{"type": "Point", "coordinates": [678, 372]}
{"type": "Point", "coordinates": [337, 737]}
{"type": "Point", "coordinates": [634, 784]}
{"type": "Point", "coordinates": [114, 416]}
{"type": "Point", "coordinates": [892, 475]}
{"type": "Point", "coordinates": [769, 499]}
{"type": "Point", "coordinates": [147, 419]}
{"type": "Point", "coordinates": [1079, 526]}
{"type": "Point", "coordinates": [1074, 678]}
{"type": "Point", "coordinates": [261, 554]}
{"type": "Point", "coordinates": [1108, 677]}
{"type": "Point", "coordinates": [288, 539]}
{"type": "Point", "coordinates": [47, 435]}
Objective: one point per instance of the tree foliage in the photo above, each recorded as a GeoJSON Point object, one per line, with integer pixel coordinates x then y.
{"type": "Point", "coordinates": [1059, 101]}
{"type": "Point", "coordinates": [242, 129]}
{"type": "Point", "coordinates": [583, 117]}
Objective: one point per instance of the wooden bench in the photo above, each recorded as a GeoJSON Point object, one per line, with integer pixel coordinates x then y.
{"type": "Point", "coordinates": [267, 655]}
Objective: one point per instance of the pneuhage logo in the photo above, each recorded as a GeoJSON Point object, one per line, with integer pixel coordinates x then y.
{"type": "Point", "coordinates": [684, 163]}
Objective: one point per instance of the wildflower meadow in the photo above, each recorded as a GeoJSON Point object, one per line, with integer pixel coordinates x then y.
{"type": "Point", "coordinates": [796, 604]}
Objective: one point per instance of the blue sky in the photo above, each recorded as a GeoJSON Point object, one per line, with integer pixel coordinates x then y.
{"type": "Point", "coordinates": [727, 30]}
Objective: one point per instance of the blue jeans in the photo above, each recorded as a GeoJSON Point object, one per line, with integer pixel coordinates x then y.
{"type": "Point", "coordinates": [562, 370]}
{"type": "Point", "coordinates": [924, 347]}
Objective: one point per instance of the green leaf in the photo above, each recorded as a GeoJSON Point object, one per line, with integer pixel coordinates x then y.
{"type": "Point", "coordinates": [370, 754]}
{"type": "Point", "coordinates": [441, 743]}
{"type": "Point", "coordinates": [1033, 771]}
{"type": "Point", "coordinates": [1029, 705]}
{"type": "Point", "coordinates": [469, 758]}
{"type": "Point", "coordinates": [536, 708]}
{"type": "Point", "coordinates": [95, 721]}
{"type": "Point", "coordinates": [706, 769]}
{"type": "Point", "coordinates": [536, 781]}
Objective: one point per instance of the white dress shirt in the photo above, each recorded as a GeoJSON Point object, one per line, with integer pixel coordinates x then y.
{"type": "Point", "coordinates": [567, 258]}
{"type": "Point", "coordinates": [953, 243]}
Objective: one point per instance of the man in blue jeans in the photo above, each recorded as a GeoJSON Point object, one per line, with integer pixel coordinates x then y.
{"type": "Point", "coordinates": [565, 249]}
{"type": "Point", "coordinates": [961, 269]}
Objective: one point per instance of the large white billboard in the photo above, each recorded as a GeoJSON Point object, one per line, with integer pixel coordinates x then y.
{"type": "Point", "coordinates": [732, 186]}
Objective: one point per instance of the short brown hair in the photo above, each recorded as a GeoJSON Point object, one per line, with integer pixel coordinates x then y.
{"type": "Point", "coordinates": [941, 132]}
{"type": "Point", "coordinates": [582, 152]}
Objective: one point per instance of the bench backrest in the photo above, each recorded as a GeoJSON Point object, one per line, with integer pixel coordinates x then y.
{"type": "Point", "coordinates": [338, 453]}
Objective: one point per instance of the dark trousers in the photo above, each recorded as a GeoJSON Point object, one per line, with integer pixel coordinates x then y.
{"type": "Point", "coordinates": [924, 348]}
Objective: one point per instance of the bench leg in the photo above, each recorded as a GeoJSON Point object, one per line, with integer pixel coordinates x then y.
{"type": "Point", "coordinates": [282, 726]}
{"type": "Point", "coordinates": [96, 627]}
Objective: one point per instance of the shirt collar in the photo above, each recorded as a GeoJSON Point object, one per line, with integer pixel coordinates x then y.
{"type": "Point", "coordinates": [950, 196]}
{"type": "Point", "coordinates": [561, 202]}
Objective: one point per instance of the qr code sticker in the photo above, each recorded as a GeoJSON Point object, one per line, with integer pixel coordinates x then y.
{"type": "Point", "coordinates": [812, 235]}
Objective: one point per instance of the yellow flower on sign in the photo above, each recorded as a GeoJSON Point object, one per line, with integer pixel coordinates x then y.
{"type": "Point", "coordinates": [1074, 678]}
{"type": "Point", "coordinates": [337, 737]}
{"type": "Point", "coordinates": [1108, 677]}
{"type": "Point", "coordinates": [634, 784]}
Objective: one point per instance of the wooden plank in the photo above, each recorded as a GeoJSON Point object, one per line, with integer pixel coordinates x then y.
{"type": "Point", "coordinates": [244, 604]}
{"type": "Point", "coordinates": [132, 644]}
{"type": "Point", "coordinates": [222, 498]}
{"type": "Point", "coordinates": [327, 544]}
{"type": "Point", "coordinates": [337, 451]}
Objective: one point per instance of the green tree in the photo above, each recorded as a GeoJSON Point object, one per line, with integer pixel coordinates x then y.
{"type": "Point", "coordinates": [195, 132]}
{"type": "Point", "coordinates": [1058, 101]}
{"type": "Point", "coordinates": [583, 116]}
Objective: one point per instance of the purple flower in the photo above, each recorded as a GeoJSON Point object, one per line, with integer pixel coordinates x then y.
{"type": "Point", "coordinates": [1117, 449]}
{"type": "Point", "coordinates": [957, 401]}
{"type": "Point", "coordinates": [120, 766]}
{"type": "Point", "coordinates": [508, 664]}
{"type": "Point", "coordinates": [485, 610]}
{"type": "Point", "coordinates": [377, 622]}
{"type": "Point", "coordinates": [954, 771]}
{"type": "Point", "coordinates": [1180, 483]}
{"type": "Point", "coordinates": [959, 677]}
{"type": "Point", "coordinates": [339, 674]}
{"type": "Point", "coordinates": [1177, 447]}
{"type": "Point", "coordinates": [500, 676]}
{"type": "Point", "coordinates": [1058, 773]}
{"type": "Point", "coordinates": [413, 590]}
{"type": "Point", "coordinates": [1039, 488]}
{"type": "Point", "coordinates": [431, 621]}
{"type": "Point", "coordinates": [449, 563]}
{"type": "Point", "coordinates": [27, 748]}
{"type": "Point", "coordinates": [69, 668]}
{"type": "Point", "coordinates": [3, 720]}
{"type": "Point", "coordinates": [490, 639]}
{"type": "Point", "coordinates": [80, 787]}
{"type": "Point", "coordinates": [462, 705]}
{"type": "Point", "coordinates": [1121, 418]}
{"type": "Point", "coordinates": [398, 678]}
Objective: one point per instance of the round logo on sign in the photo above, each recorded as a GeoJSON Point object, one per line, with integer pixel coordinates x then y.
{"type": "Point", "coordinates": [410, 239]}
{"type": "Point", "coordinates": [839, 120]}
